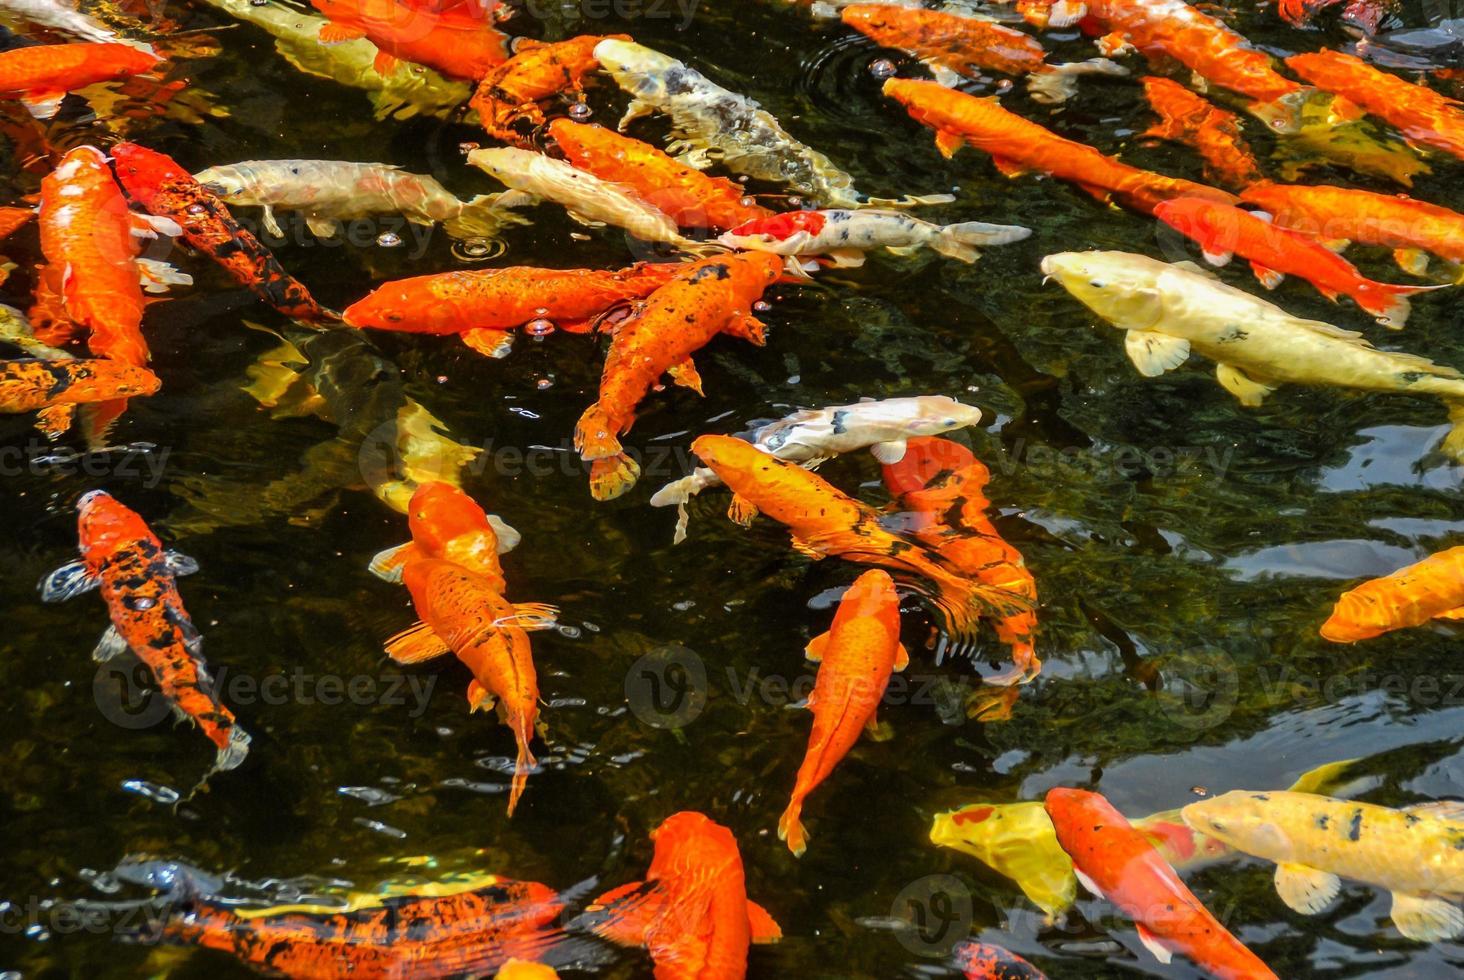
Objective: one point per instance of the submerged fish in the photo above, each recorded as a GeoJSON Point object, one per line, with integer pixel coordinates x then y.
{"type": "Point", "coordinates": [845, 236]}
{"type": "Point", "coordinates": [709, 122]}
{"type": "Point", "coordinates": [983, 961]}
{"type": "Point", "coordinates": [55, 387]}
{"type": "Point", "coordinates": [537, 71]}
{"type": "Point", "coordinates": [1416, 853]}
{"type": "Point", "coordinates": [40, 75]}
{"type": "Point", "coordinates": [1429, 589]}
{"type": "Point", "coordinates": [446, 523]}
{"type": "Point", "coordinates": [1168, 310]}
{"type": "Point", "coordinates": [456, 42]}
{"type": "Point", "coordinates": [1215, 134]}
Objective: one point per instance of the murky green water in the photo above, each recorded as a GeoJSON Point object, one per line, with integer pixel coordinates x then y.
{"type": "Point", "coordinates": [1186, 551]}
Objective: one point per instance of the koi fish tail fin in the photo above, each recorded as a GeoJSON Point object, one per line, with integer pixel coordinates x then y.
{"type": "Point", "coordinates": [1453, 444]}
{"type": "Point", "coordinates": [234, 751]}
{"type": "Point", "coordinates": [612, 476]}
{"type": "Point", "coordinates": [959, 241]}
{"type": "Point", "coordinates": [1061, 82]}
{"type": "Point", "coordinates": [791, 830]}
{"type": "Point", "coordinates": [482, 217]}
{"type": "Point", "coordinates": [596, 434]}
{"type": "Point", "coordinates": [1024, 668]}
{"type": "Point", "coordinates": [1389, 303]}
{"type": "Point", "coordinates": [522, 766]}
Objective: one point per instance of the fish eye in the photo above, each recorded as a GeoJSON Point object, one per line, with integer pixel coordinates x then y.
{"type": "Point", "coordinates": [1097, 283]}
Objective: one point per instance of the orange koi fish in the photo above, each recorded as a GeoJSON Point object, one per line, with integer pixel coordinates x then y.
{"type": "Point", "coordinates": [941, 484]}
{"type": "Point", "coordinates": [1115, 862]}
{"type": "Point", "coordinates": [1274, 252]}
{"type": "Point", "coordinates": [470, 928]}
{"type": "Point", "coordinates": [1429, 589]}
{"type": "Point", "coordinates": [166, 190]}
{"type": "Point", "coordinates": [121, 556]}
{"type": "Point", "coordinates": [692, 912]}
{"type": "Point", "coordinates": [855, 657]}
{"type": "Point", "coordinates": [953, 46]}
{"type": "Point", "coordinates": [446, 523]}
{"type": "Point", "coordinates": [1018, 146]}
{"type": "Point", "coordinates": [824, 521]}
{"type": "Point", "coordinates": [705, 298]}
{"type": "Point", "coordinates": [55, 387]}
{"type": "Point", "coordinates": [1340, 215]}
{"type": "Point", "coordinates": [691, 198]}
{"type": "Point", "coordinates": [41, 75]}
{"type": "Point", "coordinates": [14, 219]}
{"type": "Point", "coordinates": [463, 613]}
{"type": "Point", "coordinates": [983, 961]}
{"type": "Point", "coordinates": [537, 71]}
{"type": "Point", "coordinates": [526, 970]}
{"type": "Point", "coordinates": [482, 305]}
{"type": "Point", "coordinates": [453, 41]}
{"type": "Point", "coordinates": [1185, 117]}
{"type": "Point", "coordinates": [1422, 115]}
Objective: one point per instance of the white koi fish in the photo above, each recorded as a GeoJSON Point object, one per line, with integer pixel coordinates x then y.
{"type": "Point", "coordinates": [845, 236]}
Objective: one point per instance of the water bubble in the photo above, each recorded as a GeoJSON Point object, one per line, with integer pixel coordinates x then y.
{"type": "Point", "coordinates": [388, 239]}
{"type": "Point", "coordinates": [468, 147]}
{"type": "Point", "coordinates": [259, 3]}
{"type": "Point", "coordinates": [761, 306]}
{"type": "Point", "coordinates": [544, 384]}
{"type": "Point", "coordinates": [477, 249]}
{"type": "Point", "coordinates": [195, 209]}
{"type": "Point", "coordinates": [569, 632]}
{"type": "Point", "coordinates": [882, 68]}
{"type": "Point", "coordinates": [748, 202]}
{"type": "Point", "coordinates": [580, 111]}
{"type": "Point", "coordinates": [143, 602]}
{"type": "Point", "coordinates": [539, 329]}
{"type": "Point", "coordinates": [794, 201]}
{"type": "Point", "coordinates": [1005, 85]}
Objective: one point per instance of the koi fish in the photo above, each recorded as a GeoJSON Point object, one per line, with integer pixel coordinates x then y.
{"type": "Point", "coordinates": [137, 577]}
{"type": "Point", "coordinates": [941, 484]}
{"type": "Point", "coordinates": [811, 437]}
{"type": "Point", "coordinates": [1339, 215]}
{"type": "Point", "coordinates": [1223, 231]}
{"type": "Point", "coordinates": [1115, 862]}
{"type": "Point", "coordinates": [856, 656]}
{"type": "Point", "coordinates": [983, 961]}
{"type": "Point", "coordinates": [331, 191]}
{"type": "Point", "coordinates": [482, 305]}
{"type": "Point", "coordinates": [824, 521]}
{"type": "Point", "coordinates": [688, 196]}
{"type": "Point", "coordinates": [40, 75]}
{"type": "Point", "coordinates": [456, 43]}
{"type": "Point", "coordinates": [845, 236]}
{"type": "Point", "coordinates": [692, 912]}
{"type": "Point", "coordinates": [16, 330]}
{"type": "Point", "coordinates": [14, 219]}
{"type": "Point", "coordinates": [710, 123]}
{"type": "Point", "coordinates": [471, 927]}
{"type": "Point", "coordinates": [446, 523]}
{"type": "Point", "coordinates": [1185, 117]}
{"type": "Point", "coordinates": [588, 199]}
{"type": "Point", "coordinates": [1017, 146]}
{"type": "Point", "coordinates": [514, 969]}
{"type": "Point", "coordinates": [954, 46]}
{"type": "Point", "coordinates": [463, 613]}
{"type": "Point", "coordinates": [60, 16]}
{"type": "Point", "coordinates": [1167, 310]}
{"type": "Point", "coordinates": [1429, 589]}
{"type": "Point", "coordinates": [703, 299]}
{"type": "Point", "coordinates": [1423, 116]}
{"type": "Point", "coordinates": [537, 71]}
{"type": "Point", "coordinates": [55, 387]}
{"type": "Point", "coordinates": [166, 190]}
{"type": "Point", "coordinates": [1416, 853]}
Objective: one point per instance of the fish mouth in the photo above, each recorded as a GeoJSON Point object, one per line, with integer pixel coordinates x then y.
{"type": "Point", "coordinates": [90, 498]}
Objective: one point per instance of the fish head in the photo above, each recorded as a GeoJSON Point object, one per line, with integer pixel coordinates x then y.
{"type": "Point", "coordinates": [690, 846]}
{"type": "Point", "coordinates": [502, 162]}
{"type": "Point", "coordinates": [173, 878]}
{"type": "Point", "coordinates": [440, 512]}
{"type": "Point", "coordinates": [635, 67]}
{"type": "Point", "coordinates": [1121, 287]}
{"type": "Point", "coordinates": [1244, 820]}
{"type": "Point", "coordinates": [388, 308]}
{"type": "Point", "coordinates": [726, 454]}
{"type": "Point", "coordinates": [104, 525]}
{"type": "Point", "coordinates": [226, 182]}
{"type": "Point", "coordinates": [872, 595]}
{"type": "Point", "coordinates": [130, 379]}
{"type": "Point", "coordinates": [928, 415]}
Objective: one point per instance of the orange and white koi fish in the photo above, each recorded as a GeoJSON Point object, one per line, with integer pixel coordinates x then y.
{"type": "Point", "coordinates": [1274, 252]}
{"type": "Point", "coordinates": [824, 521]}
{"type": "Point", "coordinates": [688, 196]}
{"type": "Point", "coordinates": [1115, 862]}
{"type": "Point", "coordinates": [703, 299]}
{"type": "Point", "coordinates": [1018, 146]}
{"type": "Point", "coordinates": [1429, 589]}
{"type": "Point", "coordinates": [941, 485]}
{"type": "Point", "coordinates": [455, 42]}
{"type": "Point", "coordinates": [481, 306]}
{"type": "Point", "coordinates": [856, 657]}
{"type": "Point", "coordinates": [1339, 215]}
{"type": "Point", "coordinates": [1423, 116]}
{"type": "Point", "coordinates": [137, 577]}
{"type": "Point", "coordinates": [692, 912]}
{"type": "Point", "coordinates": [41, 75]}
{"type": "Point", "coordinates": [1215, 135]}
{"type": "Point", "coordinates": [844, 236]}
{"type": "Point", "coordinates": [463, 613]}
{"type": "Point", "coordinates": [954, 46]}
{"type": "Point", "coordinates": [55, 387]}
{"type": "Point", "coordinates": [446, 523]}
{"type": "Point", "coordinates": [983, 961]}
{"type": "Point", "coordinates": [537, 71]}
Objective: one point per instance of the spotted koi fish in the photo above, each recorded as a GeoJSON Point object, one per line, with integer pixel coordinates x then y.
{"type": "Point", "coordinates": [1429, 589]}
{"type": "Point", "coordinates": [1187, 118]}
{"type": "Point", "coordinates": [537, 71]}
{"type": "Point", "coordinates": [166, 190]}
{"type": "Point", "coordinates": [704, 299]}
{"type": "Point", "coordinates": [137, 577]}
{"type": "Point", "coordinates": [692, 912]}
{"type": "Point", "coordinates": [1018, 146]}
{"type": "Point", "coordinates": [55, 387]}
{"type": "Point", "coordinates": [983, 961]}
{"type": "Point", "coordinates": [40, 75]}
{"type": "Point", "coordinates": [455, 42]}
{"type": "Point", "coordinates": [481, 306]}
{"type": "Point", "coordinates": [446, 523]}
{"type": "Point", "coordinates": [844, 236]}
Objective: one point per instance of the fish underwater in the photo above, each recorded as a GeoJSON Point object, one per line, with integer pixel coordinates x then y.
{"type": "Point", "coordinates": [122, 557]}
{"type": "Point", "coordinates": [41, 75]}
{"type": "Point", "coordinates": [855, 658]}
{"type": "Point", "coordinates": [455, 42]}
{"type": "Point", "coordinates": [1169, 310]}
{"type": "Point", "coordinates": [1416, 853]}
{"type": "Point", "coordinates": [512, 92]}
{"type": "Point", "coordinates": [446, 523]}
{"type": "Point", "coordinates": [844, 236]}
{"type": "Point", "coordinates": [53, 388]}
{"type": "Point", "coordinates": [1214, 133]}
{"type": "Point", "coordinates": [1429, 589]}
{"type": "Point", "coordinates": [983, 961]}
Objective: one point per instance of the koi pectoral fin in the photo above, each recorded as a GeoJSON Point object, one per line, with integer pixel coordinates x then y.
{"type": "Point", "coordinates": [387, 564]}
{"type": "Point", "coordinates": [1153, 353]}
{"type": "Point", "coordinates": [765, 928]}
{"type": "Point", "coordinates": [110, 645]}
{"type": "Point", "coordinates": [741, 511]}
{"type": "Point", "coordinates": [68, 582]}
{"type": "Point", "coordinates": [416, 644]}
{"type": "Point", "coordinates": [624, 914]}
{"type": "Point", "coordinates": [1306, 890]}
{"type": "Point", "coordinates": [1246, 389]}
{"type": "Point", "coordinates": [685, 375]}
{"type": "Point", "coordinates": [814, 651]}
{"type": "Point", "coordinates": [1426, 919]}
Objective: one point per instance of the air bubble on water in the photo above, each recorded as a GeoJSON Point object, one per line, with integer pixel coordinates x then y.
{"type": "Point", "coordinates": [882, 68]}
{"type": "Point", "coordinates": [195, 209]}
{"type": "Point", "coordinates": [539, 328]}
{"type": "Point", "coordinates": [153, 791]}
{"type": "Point", "coordinates": [442, 379]}
{"type": "Point", "coordinates": [477, 249]}
{"type": "Point", "coordinates": [761, 306]}
{"type": "Point", "coordinates": [523, 412]}
{"type": "Point", "coordinates": [388, 239]}
{"type": "Point", "coordinates": [259, 3]}
{"type": "Point", "coordinates": [590, 626]}
{"type": "Point", "coordinates": [1005, 85]}
{"type": "Point", "coordinates": [569, 632]}
{"type": "Point", "coordinates": [683, 605]}
{"type": "Point", "coordinates": [794, 201]}
{"type": "Point", "coordinates": [544, 384]}
{"type": "Point", "coordinates": [580, 111]}
{"type": "Point", "coordinates": [748, 202]}
{"type": "Point", "coordinates": [144, 602]}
